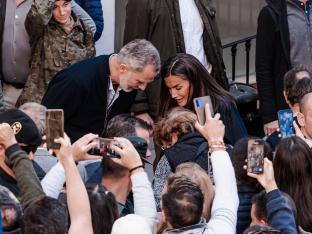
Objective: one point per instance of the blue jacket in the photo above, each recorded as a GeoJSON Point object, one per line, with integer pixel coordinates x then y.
{"type": "Point", "coordinates": [94, 9]}
{"type": "Point", "coordinates": [280, 215]}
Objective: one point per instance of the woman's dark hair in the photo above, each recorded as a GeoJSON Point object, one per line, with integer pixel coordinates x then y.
{"type": "Point", "coordinates": [46, 215]}
{"type": "Point", "coordinates": [293, 172]}
{"type": "Point", "coordinates": [104, 209]}
{"type": "Point", "coordinates": [202, 83]}
{"type": "Point", "coordinates": [239, 156]}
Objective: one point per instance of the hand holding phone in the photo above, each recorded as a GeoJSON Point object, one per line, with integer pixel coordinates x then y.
{"type": "Point", "coordinates": [54, 127]}
{"type": "Point", "coordinates": [103, 147]}
{"type": "Point", "coordinates": [255, 156]}
{"type": "Point", "coordinates": [199, 105]}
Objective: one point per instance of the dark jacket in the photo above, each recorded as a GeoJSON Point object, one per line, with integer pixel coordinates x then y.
{"type": "Point", "coordinates": [81, 91]}
{"type": "Point", "coordinates": [159, 22]}
{"type": "Point", "coordinates": [279, 213]}
{"type": "Point", "coordinates": [2, 18]}
{"type": "Point", "coordinates": [191, 147]}
{"type": "Point", "coordinates": [245, 193]}
{"type": "Point", "coordinates": [272, 58]}
{"type": "Point", "coordinates": [234, 125]}
{"type": "Point", "coordinates": [94, 9]}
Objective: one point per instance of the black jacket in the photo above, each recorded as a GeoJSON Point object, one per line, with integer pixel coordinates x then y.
{"type": "Point", "coordinates": [81, 91]}
{"type": "Point", "coordinates": [191, 147]}
{"type": "Point", "coordinates": [2, 19]}
{"type": "Point", "coordinates": [272, 58]}
{"type": "Point", "coordinates": [245, 193]}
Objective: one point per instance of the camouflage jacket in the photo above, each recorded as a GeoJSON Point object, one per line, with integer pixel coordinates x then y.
{"type": "Point", "coordinates": [52, 48]}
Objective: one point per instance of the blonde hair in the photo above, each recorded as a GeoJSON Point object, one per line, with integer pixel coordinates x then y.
{"type": "Point", "coordinates": [200, 177]}
{"type": "Point", "coordinates": [179, 121]}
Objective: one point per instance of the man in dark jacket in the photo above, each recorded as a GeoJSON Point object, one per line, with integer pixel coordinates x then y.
{"type": "Point", "coordinates": [283, 41]}
{"type": "Point", "coordinates": [93, 91]}
{"type": "Point", "coordinates": [161, 23]}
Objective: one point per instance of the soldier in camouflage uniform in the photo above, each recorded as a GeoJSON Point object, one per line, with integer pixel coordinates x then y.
{"type": "Point", "coordinates": [58, 39]}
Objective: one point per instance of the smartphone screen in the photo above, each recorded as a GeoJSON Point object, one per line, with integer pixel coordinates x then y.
{"type": "Point", "coordinates": [210, 170]}
{"type": "Point", "coordinates": [103, 147]}
{"type": "Point", "coordinates": [199, 105]}
{"type": "Point", "coordinates": [285, 121]}
{"type": "Point", "coordinates": [54, 127]}
{"type": "Point", "coordinates": [255, 158]}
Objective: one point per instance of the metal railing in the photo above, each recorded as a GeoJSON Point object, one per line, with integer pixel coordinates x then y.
{"type": "Point", "coordinates": [233, 45]}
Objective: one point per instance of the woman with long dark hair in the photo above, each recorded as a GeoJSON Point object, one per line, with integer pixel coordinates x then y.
{"type": "Point", "coordinates": [185, 78]}
{"type": "Point", "coordinates": [293, 172]}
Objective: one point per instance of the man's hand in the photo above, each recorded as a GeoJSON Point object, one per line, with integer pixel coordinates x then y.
{"type": "Point", "coordinates": [271, 127]}
{"type": "Point", "coordinates": [64, 154]}
{"type": "Point", "coordinates": [129, 157]}
{"type": "Point", "coordinates": [147, 118]}
{"type": "Point", "coordinates": [266, 179]}
{"type": "Point", "coordinates": [82, 146]}
{"type": "Point", "coordinates": [213, 129]}
{"type": "Point", "coordinates": [7, 137]}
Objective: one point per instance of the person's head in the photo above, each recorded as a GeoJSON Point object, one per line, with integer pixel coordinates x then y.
{"type": "Point", "coordinates": [46, 215]}
{"type": "Point", "coordinates": [104, 209]}
{"type": "Point", "coordinates": [184, 78]}
{"type": "Point", "coordinates": [62, 11]}
{"type": "Point", "coordinates": [124, 125]}
{"type": "Point", "coordinates": [25, 130]}
{"type": "Point", "coordinates": [11, 211]}
{"type": "Point", "coordinates": [239, 157]}
{"type": "Point", "coordinates": [177, 123]}
{"type": "Point", "coordinates": [138, 64]}
{"type": "Point", "coordinates": [305, 115]}
{"type": "Point", "coordinates": [182, 203]}
{"type": "Point", "coordinates": [200, 177]}
{"type": "Point", "coordinates": [293, 172]}
{"type": "Point", "coordinates": [37, 113]}
{"type": "Point", "coordinates": [258, 229]}
{"type": "Point", "coordinates": [258, 211]}
{"type": "Point", "coordinates": [294, 88]}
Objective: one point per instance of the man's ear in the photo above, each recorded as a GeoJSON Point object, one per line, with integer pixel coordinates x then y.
{"type": "Point", "coordinates": [263, 222]}
{"type": "Point", "coordinates": [285, 96]}
{"type": "Point", "coordinates": [123, 68]}
{"type": "Point", "coordinates": [2, 150]}
{"type": "Point", "coordinates": [300, 118]}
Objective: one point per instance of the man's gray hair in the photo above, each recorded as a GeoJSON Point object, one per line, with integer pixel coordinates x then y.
{"type": "Point", "coordinates": [37, 113]}
{"type": "Point", "coordinates": [139, 53]}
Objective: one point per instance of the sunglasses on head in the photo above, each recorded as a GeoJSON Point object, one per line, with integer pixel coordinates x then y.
{"type": "Point", "coordinates": [29, 148]}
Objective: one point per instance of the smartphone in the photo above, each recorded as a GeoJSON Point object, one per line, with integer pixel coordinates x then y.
{"type": "Point", "coordinates": [103, 147]}
{"type": "Point", "coordinates": [199, 105]}
{"type": "Point", "coordinates": [54, 127]}
{"type": "Point", "coordinates": [210, 170]}
{"type": "Point", "coordinates": [285, 122]}
{"type": "Point", "coordinates": [255, 156]}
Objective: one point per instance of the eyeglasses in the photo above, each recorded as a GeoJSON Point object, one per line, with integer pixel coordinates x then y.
{"type": "Point", "coordinates": [29, 148]}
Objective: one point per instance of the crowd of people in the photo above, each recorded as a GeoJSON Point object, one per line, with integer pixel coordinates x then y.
{"type": "Point", "coordinates": [142, 95]}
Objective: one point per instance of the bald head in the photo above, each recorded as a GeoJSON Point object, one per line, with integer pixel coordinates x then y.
{"type": "Point", "coordinates": [306, 103]}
